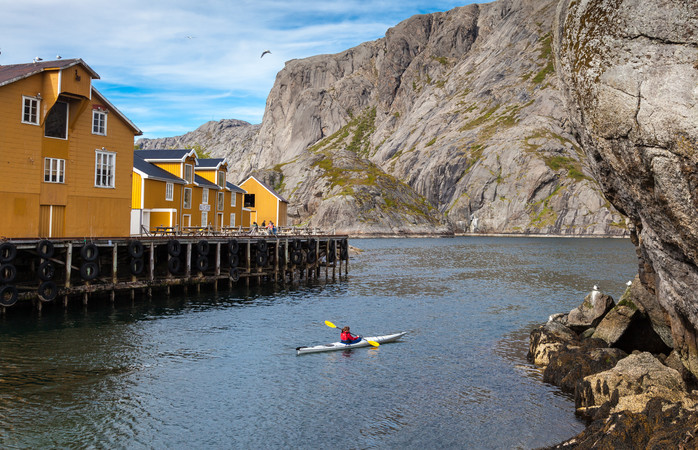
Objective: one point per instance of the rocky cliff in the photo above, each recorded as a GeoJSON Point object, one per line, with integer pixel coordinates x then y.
{"type": "Point", "coordinates": [629, 72]}
{"type": "Point", "coordinates": [451, 121]}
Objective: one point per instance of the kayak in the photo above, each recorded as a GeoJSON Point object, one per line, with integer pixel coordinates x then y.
{"type": "Point", "coordinates": [339, 346]}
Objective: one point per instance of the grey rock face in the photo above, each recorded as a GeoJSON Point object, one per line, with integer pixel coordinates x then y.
{"type": "Point", "coordinates": [629, 76]}
{"type": "Point", "coordinates": [461, 108]}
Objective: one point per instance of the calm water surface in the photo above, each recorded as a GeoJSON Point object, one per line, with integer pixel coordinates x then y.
{"type": "Point", "coordinates": [220, 370]}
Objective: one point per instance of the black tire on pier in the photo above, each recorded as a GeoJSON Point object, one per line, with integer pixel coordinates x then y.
{"type": "Point", "coordinates": [261, 259]}
{"type": "Point", "coordinates": [174, 265]}
{"type": "Point", "coordinates": [48, 291]}
{"type": "Point", "coordinates": [202, 263]}
{"type": "Point", "coordinates": [234, 274]}
{"type": "Point", "coordinates": [8, 251]}
{"type": "Point", "coordinates": [311, 257]}
{"type": "Point", "coordinates": [8, 295]}
{"type": "Point", "coordinates": [202, 247]}
{"type": "Point", "coordinates": [46, 271]}
{"type": "Point", "coordinates": [135, 249]}
{"type": "Point", "coordinates": [45, 249]}
{"type": "Point", "coordinates": [137, 266]}
{"type": "Point", "coordinates": [89, 252]}
{"type": "Point", "coordinates": [296, 257]}
{"type": "Point", "coordinates": [8, 273]}
{"type": "Point", "coordinates": [89, 271]}
{"type": "Point", "coordinates": [262, 246]}
{"type": "Point", "coordinates": [233, 246]}
{"type": "Point", "coordinates": [234, 260]}
{"type": "Point", "coordinates": [174, 248]}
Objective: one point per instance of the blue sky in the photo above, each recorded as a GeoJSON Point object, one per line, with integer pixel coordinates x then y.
{"type": "Point", "coordinates": [173, 65]}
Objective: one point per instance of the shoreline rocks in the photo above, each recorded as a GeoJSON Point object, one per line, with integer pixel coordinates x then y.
{"type": "Point", "coordinates": [630, 396]}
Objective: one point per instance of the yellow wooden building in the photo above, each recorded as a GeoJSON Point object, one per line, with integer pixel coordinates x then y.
{"type": "Point", "coordinates": [174, 188]}
{"type": "Point", "coordinates": [264, 204]}
{"type": "Point", "coordinates": [67, 152]}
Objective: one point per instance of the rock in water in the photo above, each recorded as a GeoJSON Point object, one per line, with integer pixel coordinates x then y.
{"type": "Point", "coordinates": [590, 312]}
{"type": "Point", "coordinates": [629, 75]}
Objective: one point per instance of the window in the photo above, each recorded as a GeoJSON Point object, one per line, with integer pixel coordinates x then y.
{"type": "Point", "coordinates": [249, 201]}
{"type": "Point", "coordinates": [232, 198]}
{"type": "Point", "coordinates": [54, 170]}
{"type": "Point", "coordinates": [204, 218]}
{"type": "Point", "coordinates": [30, 111]}
{"type": "Point", "coordinates": [99, 122]}
{"type": "Point", "coordinates": [221, 178]}
{"type": "Point", "coordinates": [232, 219]}
{"type": "Point", "coordinates": [204, 196]}
{"type": "Point", "coordinates": [187, 198]}
{"type": "Point", "coordinates": [221, 201]}
{"type": "Point", "coordinates": [169, 191]}
{"type": "Point", "coordinates": [56, 125]}
{"type": "Point", "coordinates": [104, 168]}
{"type": "Point", "coordinates": [188, 175]}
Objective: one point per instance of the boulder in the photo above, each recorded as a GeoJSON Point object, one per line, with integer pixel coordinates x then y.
{"type": "Point", "coordinates": [627, 328]}
{"type": "Point", "coordinates": [629, 386]}
{"type": "Point", "coordinates": [590, 312]}
{"type": "Point", "coordinates": [548, 339]}
{"type": "Point", "coordinates": [570, 365]}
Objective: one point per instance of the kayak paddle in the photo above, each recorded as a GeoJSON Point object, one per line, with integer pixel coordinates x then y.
{"type": "Point", "coordinates": [331, 325]}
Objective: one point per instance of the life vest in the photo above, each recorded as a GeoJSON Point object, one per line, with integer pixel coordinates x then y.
{"type": "Point", "coordinates": [347, 338]}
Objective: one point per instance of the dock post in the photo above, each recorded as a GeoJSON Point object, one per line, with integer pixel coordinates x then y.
{"type": "Point", "coordinates": [249, 270]}
{"type": "Point", "coordinates": [218, 266]}
{"type": "Point", "coordinates": [114, 265]}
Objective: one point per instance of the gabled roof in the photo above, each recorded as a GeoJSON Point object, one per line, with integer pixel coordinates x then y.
{"type": "Point", "coordinates": [234, 188]}
{"type": "Point", "coordinates": [166, 155]}
{"type": "Point", "coordinates": [113, 108]}
{"type": "Point", "coordinates": [151, 171]}
{"type": "Point", "coordinates": [203, 182]}
{"type": "Point", "coordinates": [210, 163]}
{"type": "Point", "coordinates": [15, 72]}
{"type": "Point", "coordinates": [267, 187]}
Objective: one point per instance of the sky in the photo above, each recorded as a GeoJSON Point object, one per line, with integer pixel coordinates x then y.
{"type": "Point", "coordinates": [172, 65]}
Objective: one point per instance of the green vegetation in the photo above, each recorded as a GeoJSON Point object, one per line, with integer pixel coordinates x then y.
{"type": "Point", "coordinates": [546, 53]}
{"type": "Point", "coordinates": [541, 213]}
{"type": "Point", "coordinates": [200, 150]}
{"type": "Point", "coordinates": [430, 143]}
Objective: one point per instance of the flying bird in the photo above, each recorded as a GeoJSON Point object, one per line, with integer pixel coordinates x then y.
{"type": "Point", "coordinates": [264, 53]}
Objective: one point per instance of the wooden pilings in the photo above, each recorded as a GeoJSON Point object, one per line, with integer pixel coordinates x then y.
{"type": "Point", "coordinates": [43, 271]}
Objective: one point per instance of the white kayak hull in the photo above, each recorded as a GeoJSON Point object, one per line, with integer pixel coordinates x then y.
{"type": "Point", "coordinates": [339, 346]}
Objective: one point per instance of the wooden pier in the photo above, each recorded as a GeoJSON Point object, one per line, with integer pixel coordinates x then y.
{"type": "Point", "coordinates": [55, 270]}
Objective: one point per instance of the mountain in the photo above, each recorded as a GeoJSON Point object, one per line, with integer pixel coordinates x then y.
{"type": "Point", "coordinates": [452, 121]}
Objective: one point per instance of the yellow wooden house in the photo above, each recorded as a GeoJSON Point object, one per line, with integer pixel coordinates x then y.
{"type": "Point", "coordinates": [264, 204]}
{"type": "Point", "coordinates": [174, 188]}
{"type": "Point", "coordinates": [65, 164]}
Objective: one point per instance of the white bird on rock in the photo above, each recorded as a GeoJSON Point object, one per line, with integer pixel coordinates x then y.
{"type": "Point", "coordinates": [264, 53]}
{"type": "Point", "coordinates": [629, 283]}
{"type": "Point", "coordinates": [595, 293]}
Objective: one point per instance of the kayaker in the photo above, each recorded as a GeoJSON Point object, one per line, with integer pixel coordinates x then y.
{"type": "Point", "coordinates": [348, 338]}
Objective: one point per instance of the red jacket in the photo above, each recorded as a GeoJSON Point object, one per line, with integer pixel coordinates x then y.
{"type": "Point", "coordinates": [347, 337]}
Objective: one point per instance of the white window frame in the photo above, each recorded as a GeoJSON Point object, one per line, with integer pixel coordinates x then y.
{"type": "Point", "coordinates": [221, 178]}
{"type": "Point", "coordinates": [54, 170]}
{"type": "Point", "coordinates": [220, 204]}
{"type": "Point", "coordinates": [169, 192]}
{"type": "Point", "coordinates": [186, 198]}
{"type": "Point", "coordinates": [102, 180]}
{"type": "Point", "coordinates": [233, 199]}
{"type": "Point", "coordinates": [37, 108]}
{"type": "Point", "coordinates": [204, 218]}
{"type": "Point", "coordinates": [232, 219]}
{"type": "Point", "coordinates": [99, 121]}
{"type": "Point", "coordinates": [188, 173]}
{"type": "Point", "coordinates": [204, 196]}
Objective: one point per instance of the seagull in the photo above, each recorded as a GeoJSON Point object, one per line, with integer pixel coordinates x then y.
{"type": "Point", "coordinates": [37, 59]}
{"type": "Point", "coordinates": [264, 53]}
{"type": "Point", "coordinates": [595, 293]}
{"type": "Point", "coordinates": [58, 56]}
{"type": "Point", "coordinates": [189, 37]}
{"type": "Point", "coordinates": [629, 283]}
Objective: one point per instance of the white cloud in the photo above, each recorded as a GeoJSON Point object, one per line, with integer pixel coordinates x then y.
{"type": "Point", "coordinates": [168, 63]}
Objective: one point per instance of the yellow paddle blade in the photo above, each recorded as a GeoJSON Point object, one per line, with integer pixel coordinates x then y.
{"type": "Point", "coordinates": [373, 343]}
{"type": "Point", "coordinates": [330, 324]}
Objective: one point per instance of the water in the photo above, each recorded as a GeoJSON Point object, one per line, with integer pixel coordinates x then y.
{"type": "Point", "coordinates": [220, 371]}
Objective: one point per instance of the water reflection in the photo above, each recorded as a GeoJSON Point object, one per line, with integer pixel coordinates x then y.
{"type": "Point", "coordinates": [220, 370]}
